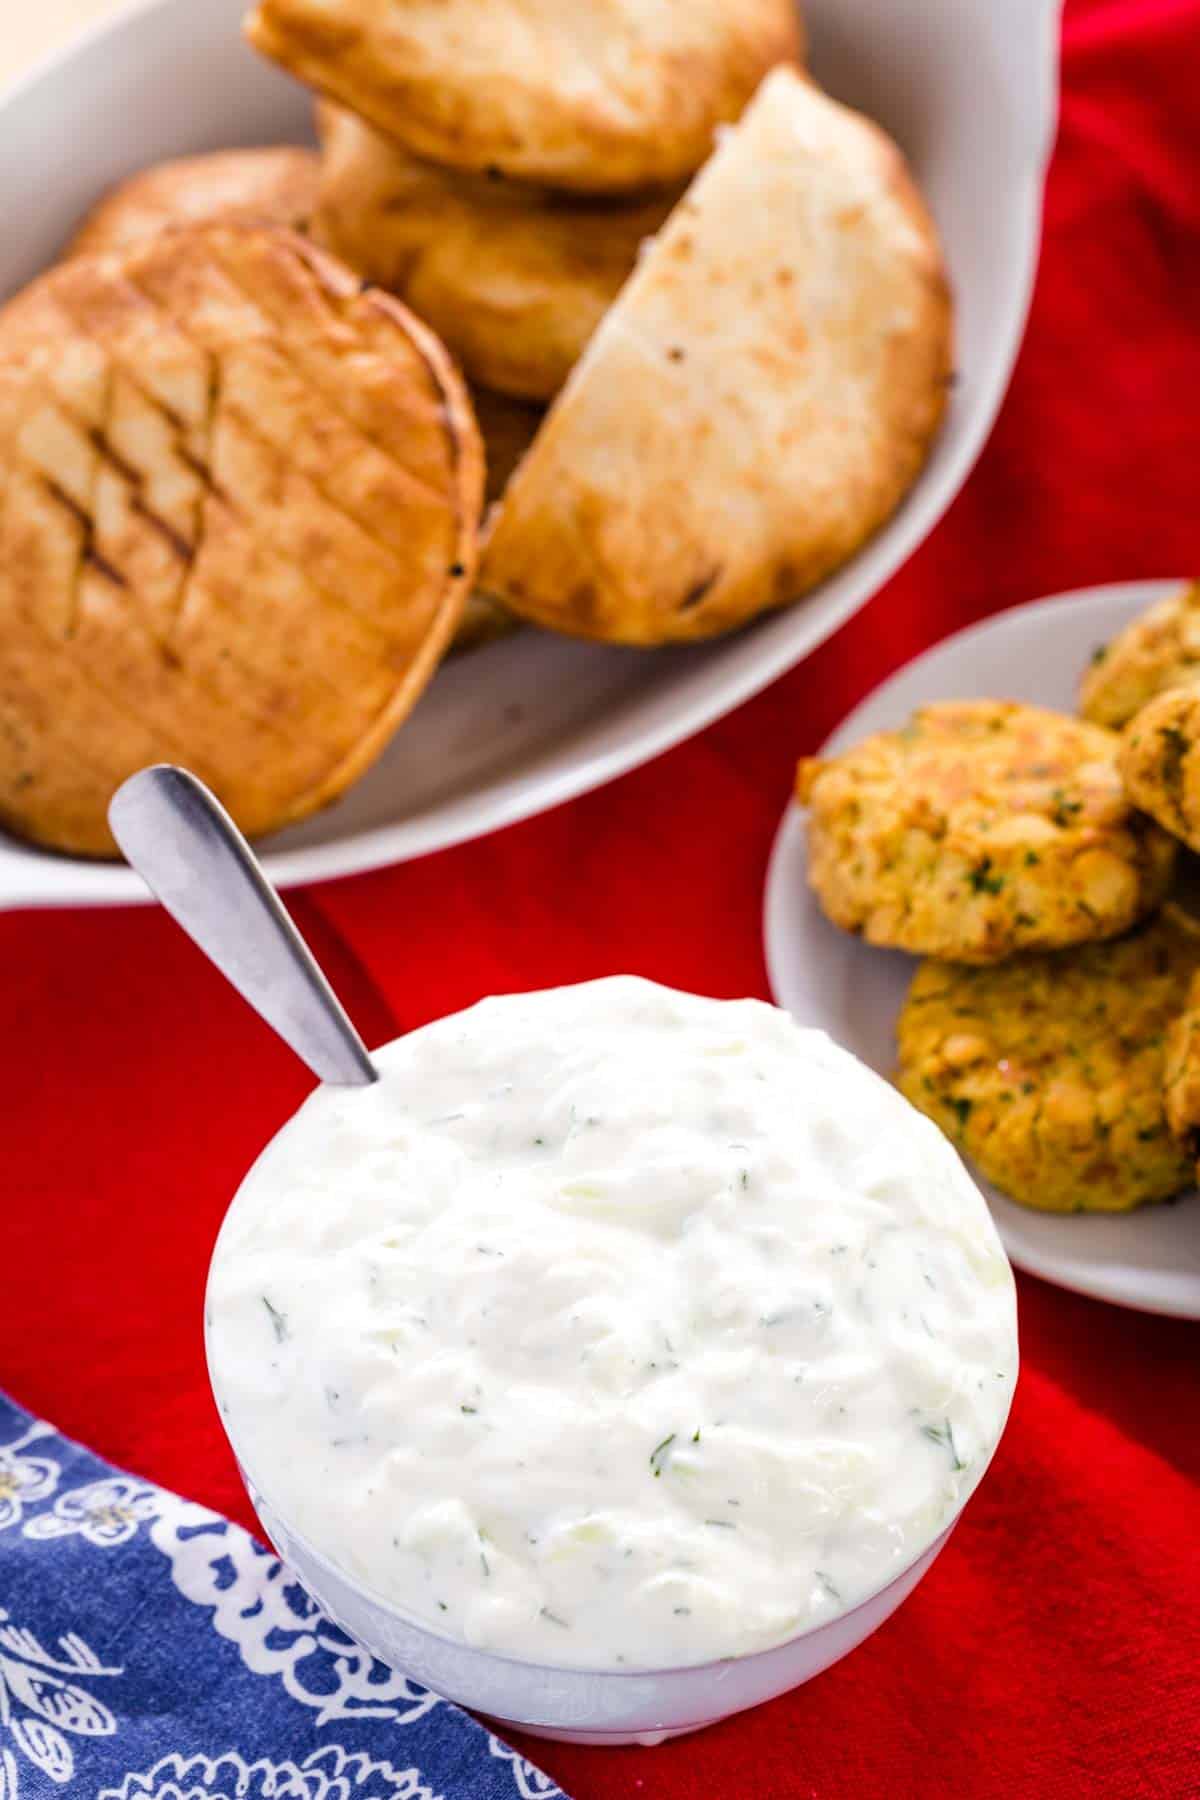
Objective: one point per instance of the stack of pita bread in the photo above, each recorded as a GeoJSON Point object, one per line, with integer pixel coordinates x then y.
{"type": "Point", "coordinates": [690, 311]}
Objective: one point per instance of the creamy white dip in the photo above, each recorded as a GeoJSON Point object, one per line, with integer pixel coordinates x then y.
{"type": "Point", "coordinates": [614, 1326]}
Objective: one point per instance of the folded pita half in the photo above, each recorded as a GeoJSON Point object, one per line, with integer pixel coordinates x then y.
{"type": "Point", "coordinates": [757, 401]}
{"type": "Point", "coordinates": [597, 95]}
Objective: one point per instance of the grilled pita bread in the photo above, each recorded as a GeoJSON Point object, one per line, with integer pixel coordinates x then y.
{"type": "Point", "coordinates": [602, 96]}
{"type": "Point", "coordinates": [277, 186]}
{"type": "Point", "coordinates": [238, 523]}
{"type": "Point", "coordinates": [756, 402]}
{"type": "Point", "coordinates": [514, 279]}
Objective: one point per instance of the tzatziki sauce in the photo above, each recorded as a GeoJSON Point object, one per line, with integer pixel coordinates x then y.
{"type": "Point", "coordinates": [613, 1327]}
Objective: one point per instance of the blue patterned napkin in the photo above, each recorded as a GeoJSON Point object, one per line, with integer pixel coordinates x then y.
{"type": "Point", "coordinates": [150, 1650]}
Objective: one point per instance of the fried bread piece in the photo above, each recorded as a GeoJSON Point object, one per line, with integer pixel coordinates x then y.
{"type": "Point", "coordinates": [238, 527]}
{"type": "Point", "coordinates": [277, 186]}
{"type": "Point", "coordinates": [514, 279]}
{"type": "Point", "coordinates": [599, 96]}
{"type": "Point", "coordinates": [755, 402]}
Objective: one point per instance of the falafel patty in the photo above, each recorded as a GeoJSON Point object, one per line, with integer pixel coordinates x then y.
{"type": "Point", "coordinates": [1049, 1072]}
{"type": "Point", "coordinates": [980, 829]}
{"type": "Point", "coordinates": [1160, 762]}
{"type": "Point", "coordinates": [1181, 1075]}
{"type": "Point", "coordinates": [1159, 649]}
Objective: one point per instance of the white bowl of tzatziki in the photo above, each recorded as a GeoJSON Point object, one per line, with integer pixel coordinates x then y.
{"type": "Point", "coordinates": [618, 1360]}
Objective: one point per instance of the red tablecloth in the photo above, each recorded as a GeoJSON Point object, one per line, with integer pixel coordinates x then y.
{"type": "Point", "coordinates": [1055, 1649]}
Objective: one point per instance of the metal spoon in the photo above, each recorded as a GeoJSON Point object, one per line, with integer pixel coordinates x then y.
{"type": "Point", "coordinates": [189, 852]}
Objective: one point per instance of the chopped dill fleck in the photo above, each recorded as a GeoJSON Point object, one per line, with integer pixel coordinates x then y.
{"type": "Point", "coordinates": [554, 1619]}
{"type": "Point", "coordinates": [943, 1434]}
{"type": "Point", "coordinates": [828, 1585]}
{"type": "Point", "coordinates": [1064, 809]}
{"type": "Point", "coordinates": [1175, 748]}
{"type": "Point", "coordinates": [721, 1524]}
{"type": "Point", "coordinates": [744, 1178]}
{"type": "Point", "coordinates": [696, 1435]}
{"type": "Point", "coordinates": [279, 1324]}
{"type": "Point", "coordinates": [540, 1141]}
{"type": "Point", "coordinates": [1099, 654]}
{"type": "Point", "coordinates": [468, 1409]}
{"type": "Point", "coordinates": [658, 1455]}
{"type": "Point", "coordinates": [982, 880]}
{"type": "Point", "coordinates": [682, 1612]}
{"type": "Point", "coordinates": [484, 1564]}
{"type": "Point", "coordinates": [960, 1106]}
{"type": "Point", "coordinates": [442, 1606]}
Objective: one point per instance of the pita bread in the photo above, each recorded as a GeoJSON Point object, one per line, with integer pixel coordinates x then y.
{"type": "Point", "coordinates": [602, 96]}
{"type": "Point", "coordinates": [239, 504]}
{"type": "Point", "coordinates": [757, 401]}
{"type": "Point", "coordinates": [513, 279]}
{"type": "Point", "coordinates": [277, 186]}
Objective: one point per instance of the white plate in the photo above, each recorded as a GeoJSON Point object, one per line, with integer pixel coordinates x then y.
{"type": "Point", "coordinates": [1148, 1259]}
{"type": "Point", "coordinates": [970, 90]}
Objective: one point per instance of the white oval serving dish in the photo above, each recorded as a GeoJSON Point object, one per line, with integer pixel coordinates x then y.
{"type": "Point", "coordinates": [970, 91]}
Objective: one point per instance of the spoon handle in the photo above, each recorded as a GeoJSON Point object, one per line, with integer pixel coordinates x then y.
{"type": "Point", "coordinates": [189, 852]}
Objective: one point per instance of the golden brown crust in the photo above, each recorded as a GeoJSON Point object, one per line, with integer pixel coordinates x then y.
{"type": "Point", "coordinates": [755, 403]}
{"type": "Point", "coordinates": [276, 185]}
{"type": "Point", "coordinates": [1181, 1074]}
{"type": "Point", "coordinates": [1159, 649]}
{"type": "Point", "coordinates": [602, 96]}
{"type": "Point", "coordinates": [514, 279]}
{"type": "Point", "coordinates": [1160, 761]}
{"type": "Point", "coordinates": [1048, 1071]}
{"type": "Point", "coordinates": [237, 529]}
{"type": "Point", "coordinates": [980, 829]}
